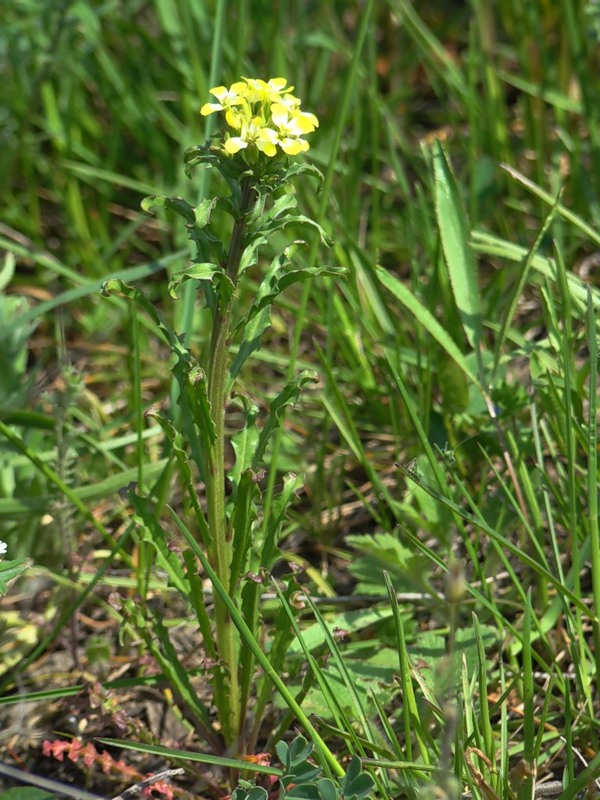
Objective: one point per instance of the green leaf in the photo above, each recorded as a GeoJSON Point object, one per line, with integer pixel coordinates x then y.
{"type": "Point", "coordinates": [167, 560]}
{"type": "Point", "coordinates": [150, 626]}
{"type": "Point", "coordinates": [453, 387]}
{"type": "Point", "coordinates": [254, 793]}
{"type": "Point", "coordinates": [250, 253]}
{"type": "Point", "coordinates": [384, 551]}
{"type": "Point", "coordinates": [279, 216]}
{"type": "Point", "coordinates": [204, 271]}
{"type": "Point", "coordinates": [288, 396]}
{"type": "Point", "coordinates": [26, 793]}
{"type": "Point", "coordinates": [288, 753]}
{"type": "Point", "coordinates": [307, 791]}
{"type": "Point", "coordinates": [245, 442]}
{"type": "Point", "coordinates": [277, 281]}
{"type": "Point", "coordinates": [327, 789]}
{"type": "Point", "coordinates": [267, 547]}
{"type": "Point", "coordinates": [197, 219]}
{"type": "Point", "coordinates": [173, 754]}
{"type": "Point", "coordinates": [197, 393]}
{"type": "Point", "coordinates": [10, 570]}
{"type": "Point", "coordinates": [297, 769]}
{"type": "Point", "coordinates": [356, 621]}
{"type": "Point", "coordinates": [243, 520]}
{"type": "Point", "coordinates": [430, 648]}
{"type": "Point", "coordinates": [7, 270]}
{"type": "Point", "coordinates": [203, 212]}
{"type": "Point", "coordinates": [428, 321]}
{"type": "Point", "coordinates": [454, 231]}
{"type": "Point", "coordinates": [261, 217]}
{"type": "Point", "coordinates": [357, 784]}
{"type": "Point", "coordinates": [176, 204]}
{"type": "Point", "coordinates": [116, 285]}
{"type": "Point", "coordinates": [176, 440]}
{"type": "Point", "coordinates": [301, 167]}
{"type": "Point", "coordinates": [253, 332]}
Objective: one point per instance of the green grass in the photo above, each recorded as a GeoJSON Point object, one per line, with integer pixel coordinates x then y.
{"type": "Point", "coordinates": [455, 421]}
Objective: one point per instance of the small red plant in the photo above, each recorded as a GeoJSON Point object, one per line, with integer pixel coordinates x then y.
{"type": "Point", "coordinates": [75, 750]}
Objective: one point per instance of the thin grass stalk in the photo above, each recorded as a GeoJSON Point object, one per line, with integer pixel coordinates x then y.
{"type": "Point", "coordinates": [359, 715]}
{"type": "Point", "coordinates": [410, 708]}
{"type": "Point", "coordinates": [573, 489]}
{"type": "Point", "coordinates": [592, 472]}
{"type": "Point", "coordinates": [339, 715]}
{"type": "Point", "coordinates": [568, 739]}
{"type": "Point", "coordinates": [484, 715]}
{"type": "Point", "coordinates": [468, 729]}
{"type": "Point", "coordinates": [504, 736]}
{"type": "Point", "coordinates": [535, 430]}
{"type": "Point", "coordinates": [526, 788]}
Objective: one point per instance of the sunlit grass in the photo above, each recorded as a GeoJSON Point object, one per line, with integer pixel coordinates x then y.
{"type": "Point", "coordinates": [457, 406]}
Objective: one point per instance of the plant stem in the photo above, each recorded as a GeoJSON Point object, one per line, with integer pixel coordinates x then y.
{"type": "Point", "coordinates": [226, 633]}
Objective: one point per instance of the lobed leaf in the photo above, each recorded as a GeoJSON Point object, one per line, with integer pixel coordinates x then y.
{"type": "Point", "coordinates": [176, 204]}
{"type": "Point", "coordinates": [203, 271]}
{"type": "Point", "coordinates": [245, 441]}
{"type": "Point", "coordinates": [288, 396]}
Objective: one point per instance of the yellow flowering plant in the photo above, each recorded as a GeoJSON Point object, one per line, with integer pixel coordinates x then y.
{"type": "Point", "coordinates": [262, 116]}
{"type": "Point", "coordinates": [227, 527]}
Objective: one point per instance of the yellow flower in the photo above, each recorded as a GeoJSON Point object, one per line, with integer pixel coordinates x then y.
{"type": "Point", "coordinates": [294, 122]}
{"type": "Point", "coordinates": [290, 126]}
{"type": "Point", "coordinates": [259, 91]}
{"type": "Point", "coordinates": [226, 97]}
{"type": "Point", "coordinates": [263, 116]}
{"type": "Point", "coordinates": [251, 132]}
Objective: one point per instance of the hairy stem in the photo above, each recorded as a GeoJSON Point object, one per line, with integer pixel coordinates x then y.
{"type": "Point", "coordinates": [226, 633]}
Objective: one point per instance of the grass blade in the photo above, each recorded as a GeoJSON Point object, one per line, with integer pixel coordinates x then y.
{"type": "Point", "coordinates": [453, 226]}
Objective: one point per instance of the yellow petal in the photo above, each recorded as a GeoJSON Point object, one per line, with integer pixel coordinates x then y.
{"type": "Point", "coordinates": [234, 145]}
{"type": "Point", "coordinates": [210, 108]}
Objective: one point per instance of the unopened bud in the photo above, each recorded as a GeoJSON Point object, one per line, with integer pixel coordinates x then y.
{"type": "Point", "coordinates": [454, 589]}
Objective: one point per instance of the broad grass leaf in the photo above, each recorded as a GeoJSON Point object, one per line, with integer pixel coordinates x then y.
{"type": "Point", "coordinates": [7, 270]}
{"type": "Point", "coordinates": [428, 321]}
{"type": "Point", "coordinates": [453, 226]}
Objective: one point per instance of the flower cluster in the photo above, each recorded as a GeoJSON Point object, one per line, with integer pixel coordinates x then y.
{"type": "Point", "coordinates": [3, 549]}
{"type": "Point", "coordinates": [262, 115]}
